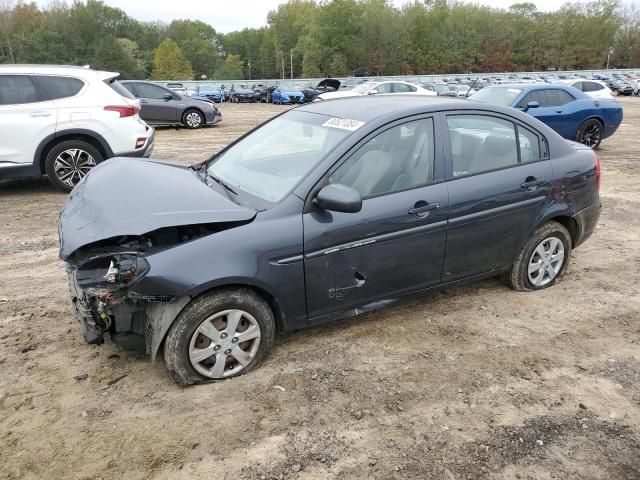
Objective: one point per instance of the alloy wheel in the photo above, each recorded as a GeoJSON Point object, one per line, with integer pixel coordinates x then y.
{"type": "Point", "coordinates": [72, 165]}
{"type": "Point", "coordinates": [224, 344]}
{"type": "Point", "coordinates": [546, 261]}
{"type": "Point", "coordinates": [591, 135]}
{"type": "Point", "coordinates": [193, 119]}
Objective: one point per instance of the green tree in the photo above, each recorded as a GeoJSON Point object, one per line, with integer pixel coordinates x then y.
{"type": "Point", "coordinates": [231, 69]}
{"type": "Point", "coordinates": [169, 62]}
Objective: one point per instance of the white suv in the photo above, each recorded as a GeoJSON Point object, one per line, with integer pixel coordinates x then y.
{"type": "Point", "coordinates": [61, 121]}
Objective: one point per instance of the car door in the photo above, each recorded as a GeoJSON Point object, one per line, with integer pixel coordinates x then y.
{"type": "Point", "coordinates": [499, 180]}
{"type": "Point", "coordinates": [552, 109]}
{"type": "Point", "coordinates": [27, 116]}
{"type": "Point", "coordinates": [158, 104]}
{"type": "Point", "coordinates": [395, 243]}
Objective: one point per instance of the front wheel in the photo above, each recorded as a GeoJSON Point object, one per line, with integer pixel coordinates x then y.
{"type": "Point", "coordinates": [542, 260]}
{"type": "Point", "coordinates": [590, 133]}
{"type": "Point", "coordinates": [192, 119]}
{"type": "Point", "coordinates": [219, 335]}
{"type": "Point", "coordinates": [69, 162]}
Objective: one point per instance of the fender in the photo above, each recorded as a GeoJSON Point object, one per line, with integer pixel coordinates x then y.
{"type": "Point", "coordinates": [38, 158]}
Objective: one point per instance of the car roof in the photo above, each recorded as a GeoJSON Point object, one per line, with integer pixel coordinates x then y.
{"type": "Point", "coordinates": [368, 108]}
{"type": "Point", "coordinates": [71, 70]}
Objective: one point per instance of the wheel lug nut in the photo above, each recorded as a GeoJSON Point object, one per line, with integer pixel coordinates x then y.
{"type": "Point", "coordinates": [234, 340]}
{"type": "Point", "coordinates": [224, 335]}
{"type": "Point", "coordinates": [227, 352]}
{"type": "Point", "coordinates": [216, 347]}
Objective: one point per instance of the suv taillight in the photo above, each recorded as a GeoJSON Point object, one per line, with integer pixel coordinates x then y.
{"type": "Point", "coordinates": [598, 170]}
{"type": "Point", "coordinates": [123, 110]}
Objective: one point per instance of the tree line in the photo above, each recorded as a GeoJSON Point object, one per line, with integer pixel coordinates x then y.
{"type": "Point", "coordinates": [306, 38]}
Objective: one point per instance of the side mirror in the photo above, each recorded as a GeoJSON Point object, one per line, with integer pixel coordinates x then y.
{"type": "Point", "coordinates": [338, 198]}
{"type": "Point", "coordinates": [168, 97]}
{"type": "Point", "coordinates": [373, 92]}
{"type": "Point", "coordinates": [532, 105]}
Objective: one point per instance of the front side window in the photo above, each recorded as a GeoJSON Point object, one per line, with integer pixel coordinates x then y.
{"type": "Point", "coordinates": [60, 87]}
{"type": "Point", "coordinates": [399, 158]}
{"type": "Point", "coordinates": [480, 143]}
{"type": "Point", "coordinates": [147, 90]}
{"type": "Point", "coordinates": [547, 98]}
{"type": "Point", "coordinates": [269, 162]}
{"type": "Point", "coordinates": [19, 89]}
{"type": "Point", "coordinates": [384, 87]}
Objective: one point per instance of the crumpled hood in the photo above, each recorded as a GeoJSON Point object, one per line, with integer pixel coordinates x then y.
{"type": "Point", "coordinates": [125, 196]}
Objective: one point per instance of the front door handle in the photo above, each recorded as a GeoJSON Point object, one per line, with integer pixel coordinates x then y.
{"type": "Point", "coordinates": [532, 182]}
{"type": "Point", "coordinates": [40, 114]}
{"type": "Point", "coordinates": [422, 207]}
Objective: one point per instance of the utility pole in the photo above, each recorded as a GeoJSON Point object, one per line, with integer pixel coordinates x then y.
{"type": "Point", "coordinates": [291, 57]}
{"type": "Point", "coordinates": [282, 60]}
{"type": "Point", "coordinates": [249, 69]}
{"type": "Point", "coordinates": [609, 52]}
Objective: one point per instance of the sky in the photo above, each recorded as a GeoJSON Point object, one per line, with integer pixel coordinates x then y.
{"type": "Point", "coordinates": [229, 15]}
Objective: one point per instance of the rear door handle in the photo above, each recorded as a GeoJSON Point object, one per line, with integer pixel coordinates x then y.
{"type": "Point", "coordinates": [424, 208]}
{"type": "Point", "coordinates": [533, 182]}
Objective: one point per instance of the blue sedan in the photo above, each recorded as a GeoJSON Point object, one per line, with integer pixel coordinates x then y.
{"type": "Point", "coordinates": [287, 94]}
{"type": "Point", "coordinates": [567, 110]}
{"type": "Point", "coordinates": [209, 91]}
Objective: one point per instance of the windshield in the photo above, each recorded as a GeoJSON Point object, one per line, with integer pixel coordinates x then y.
{"type": "Point", "coordinates": [364, 87]}
{"type": "Point", "coordinates": [497, 95]}
{"type": "Point", "coordinates": [269, 162]}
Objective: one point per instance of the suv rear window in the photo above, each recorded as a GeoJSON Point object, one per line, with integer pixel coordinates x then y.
{"type": "Point", "coordinates": [19, 89]}
{"type": "Point", "coordinates": [60, 87]}
{"type": "Point", "coordinates": [120, 89]}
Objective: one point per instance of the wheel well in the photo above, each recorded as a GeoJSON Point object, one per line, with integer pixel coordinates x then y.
{"type": "Point", "coordinates": [63, 138]}
{"type": "Point", "coordinates": [568, 223]}
{"type": "Point", "coordinates": [598, 119]}
{"type": "Point", "coordinates": [266, 296]}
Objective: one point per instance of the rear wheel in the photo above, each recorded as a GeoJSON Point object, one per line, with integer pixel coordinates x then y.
{"type": "Point", "coordinates": [590, 133]}
{"type": "Point", "coordinates": [69, 162]}
{"type": "Point", "coordinates": [192, 119]}
{"type": "Point", "coordinates": [219, 335]}
{"type": "Point", "coordinates": [542, 260]}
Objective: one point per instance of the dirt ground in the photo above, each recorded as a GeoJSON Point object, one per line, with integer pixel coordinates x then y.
{"type": "Point", "coordinates": [478, 382]}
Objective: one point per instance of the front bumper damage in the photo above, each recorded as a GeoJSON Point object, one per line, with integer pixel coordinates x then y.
{"type": "Point", "coordinates": [134, 322]}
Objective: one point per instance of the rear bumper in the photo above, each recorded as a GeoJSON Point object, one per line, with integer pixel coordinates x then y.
{"type": "Point", "coordinates": [144, 152]}
{"type": "Point", "coordinates": [587, 221]}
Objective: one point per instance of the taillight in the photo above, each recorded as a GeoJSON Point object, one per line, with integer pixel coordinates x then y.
{"type": "Point", "coordinates": [123, 110]}
{"type": "Point", "coordinates": [598, 170]}
{"type": "Point", "coordinates": [140, 142]}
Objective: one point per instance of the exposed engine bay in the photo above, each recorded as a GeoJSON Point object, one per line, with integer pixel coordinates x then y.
{"type": "Point", "coordinates": [102, 279]}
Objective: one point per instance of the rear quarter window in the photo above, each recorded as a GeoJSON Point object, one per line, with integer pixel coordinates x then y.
{"type": "Point", "coordinates": [60, 87]}
{"type": "Point", "coordinates": [120, 89]}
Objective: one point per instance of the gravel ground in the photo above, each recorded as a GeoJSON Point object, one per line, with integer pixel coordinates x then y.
{"type": "Point", "coordinates": [478, 382]}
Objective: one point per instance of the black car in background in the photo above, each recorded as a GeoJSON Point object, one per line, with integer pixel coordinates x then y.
{"type": "Point", "coordinates": [264, 92]}
{"type": "Point", "coordinates": [329, 210]}
{"type": "Point", "coordinates": [161, 106]}
{"type": "Point", "coordinates": [242, 94]}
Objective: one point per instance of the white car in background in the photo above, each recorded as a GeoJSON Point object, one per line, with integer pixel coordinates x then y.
{"type": "Point", "coordinates": [593, 88]}
{"type": "Point", "coordinates": [61, 121]}
{"type": "Point", "coordinates": [396, 87]}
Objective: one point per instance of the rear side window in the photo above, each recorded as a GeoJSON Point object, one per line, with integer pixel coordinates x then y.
{"type": "Point", "coordinates": [120, 89]}
{"type": "Point", "coordinates": [60, 87]}
{"type": "Point", "coordinates": [529, 145]}
{"type": "Point", "coordinates": [480, 143]}
{"type": "Point", "coordinates": [403, 88]}
{"type": "Point", "coordinates": [148, 90]}
{"type": "Point", "coordinates": [591, 87]}
{"type": "Point", "coordinates": [19, 89]}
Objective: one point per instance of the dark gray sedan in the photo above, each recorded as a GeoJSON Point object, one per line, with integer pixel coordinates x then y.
{"type": "Point", "coordinates": [328, 210]}
{"type": "Point", "coordinates": [161, 106]}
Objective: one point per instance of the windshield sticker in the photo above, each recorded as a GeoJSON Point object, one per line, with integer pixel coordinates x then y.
{"type": "Point", "coordinates": [343, 123]}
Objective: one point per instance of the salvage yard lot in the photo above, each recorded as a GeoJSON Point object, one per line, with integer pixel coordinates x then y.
{"type": "Point", "coordinates": [473, 382]}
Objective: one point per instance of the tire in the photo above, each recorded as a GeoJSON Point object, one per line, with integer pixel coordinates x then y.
{"type": "Point", "coordinates": [590, 133]}
{"type": "Point", "coordinates": [185, 340]}
{"type": "Point", "coordinates": [519, 277]}
{"type": "Point", "coordinates": [69, 162]}
{"type": "Point", "coordinates": [193, 119]}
